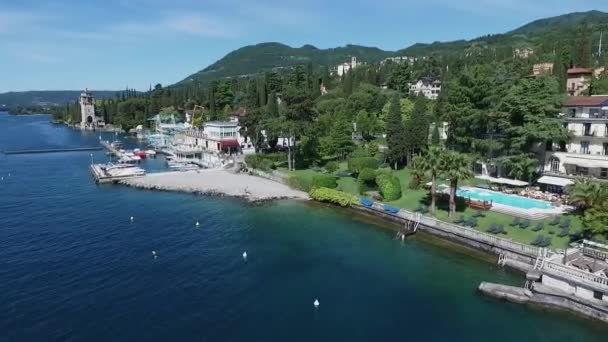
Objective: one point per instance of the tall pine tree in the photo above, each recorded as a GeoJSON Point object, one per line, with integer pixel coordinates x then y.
{"type": "Point", "coordinates": [395, 133]}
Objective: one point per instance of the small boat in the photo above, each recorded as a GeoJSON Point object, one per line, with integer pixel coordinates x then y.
{"type": "Point", "coordinates": [151, 153]}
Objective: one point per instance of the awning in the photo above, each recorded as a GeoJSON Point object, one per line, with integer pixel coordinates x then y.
{"type": "Point", "coordinates": [582, 160]}
{"type": "Point", "coordinates": [554, 181]}
{"type": "Point", "coordinates": [230, 144]}
{"type": "Point", "coordinates": [500, 180]}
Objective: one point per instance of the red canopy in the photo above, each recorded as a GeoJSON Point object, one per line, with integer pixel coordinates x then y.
{"type": "Point", "coordinates": [230, 144]}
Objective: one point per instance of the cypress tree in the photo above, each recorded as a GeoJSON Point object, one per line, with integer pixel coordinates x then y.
{"type": "Point", "coordinates": [395, 137]}
{"type": "Point", "coordinates": [212, 108]}
{"type": "Point", "coordinates": [435, 138]}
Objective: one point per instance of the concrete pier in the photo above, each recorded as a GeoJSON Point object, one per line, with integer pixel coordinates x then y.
{"type": "Point", "coordinates": [54, 150]}
{"type": "Point", "coordinates": [547, 297]}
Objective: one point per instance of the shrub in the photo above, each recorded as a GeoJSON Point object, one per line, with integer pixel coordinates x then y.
{"type": "Point", "coordinates": [343, 174]}
{"type": "Point", "coordinates": [355, 165]}
{"type": "Point", "coordinates": [299, 182]}
{"type": "Point", "coordinates": [367, 175]}
{"type": "Point", "coordinates": [258, 162]}
{"type": "Point", "coordinates": [265, 162]}
{"type": "Point", "coordinates": [324, 181]}
{"type": "Point", "coordinates": [332, 166]}
{"type": "Point", "coordinates": [373, 148]}
{"type": "Point", "coordinates": [389, 186]}
{"type": "Point", "coordinates": [332, 196]}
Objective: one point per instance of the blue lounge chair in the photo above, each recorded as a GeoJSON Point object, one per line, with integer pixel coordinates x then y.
{"type": "Point", "coordinates": [472, 222]}
{"type": "Point", "coordinates": [460, 220]}
{"type": "Point", "coordinates": [515, 222]}
{"type": "Point", "coordinates": [501, 229]}
{"type": "Point", "coordinates": [539, 226]}
{"type": "Point", "coordinates": [524, 224]}
{"type": "Point", "coordinates": [366, 203]}
{"type": "Point", "coordinates": [390, 209]}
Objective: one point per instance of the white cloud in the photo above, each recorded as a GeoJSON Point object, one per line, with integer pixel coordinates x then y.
{"type": "Point", "coordinates": [194, 24]}
{"type": "Point", "coordinates": [13, 22]}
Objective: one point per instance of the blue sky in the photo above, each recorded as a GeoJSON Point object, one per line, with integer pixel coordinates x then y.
{"type": "Point", "coordinates": [111, 44]}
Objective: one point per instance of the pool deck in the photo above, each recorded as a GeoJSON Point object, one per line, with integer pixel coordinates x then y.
{"type": "Point", "coordinates": [529, 213]}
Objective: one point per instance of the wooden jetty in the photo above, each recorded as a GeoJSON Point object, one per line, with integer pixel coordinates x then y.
{"type": "Point", "coordinates": [55, 150]}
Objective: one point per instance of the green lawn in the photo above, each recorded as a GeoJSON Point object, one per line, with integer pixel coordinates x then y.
{"type": "Point", "coordinates": [412, 199]}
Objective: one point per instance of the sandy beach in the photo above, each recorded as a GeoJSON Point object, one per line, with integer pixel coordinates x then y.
{"type": "Point", "coordinates": [217, 182]}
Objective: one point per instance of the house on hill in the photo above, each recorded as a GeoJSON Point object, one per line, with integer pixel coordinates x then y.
{"type": "Point", "coordinates": [579, 78]}
{"type": "Point", "coordinates": [343, 68]}
{"type": "Point", "coordinates": [586, 117]}
{"type": "Point", "coordinates": [430, 87]}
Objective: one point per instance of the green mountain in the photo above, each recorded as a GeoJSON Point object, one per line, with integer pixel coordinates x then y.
{"type": "Point", "coordinates": [263, 57]}
{"type": "Point", "coordinates": [258, 58]}
{"type": "Point", "coordinates": [539, 32]}
{"type": "Point", "coordinates": [47, 98]}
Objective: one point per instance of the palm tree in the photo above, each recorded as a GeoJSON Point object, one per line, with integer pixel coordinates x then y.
{"type": "Point", "coordinates": [586, 193]}
{"type": "Point", "coordinates": [456, 166]}
{"type": "Point", "coordinates": [432, 165]}
{"type": "Point", "coordinates": [521, 167]}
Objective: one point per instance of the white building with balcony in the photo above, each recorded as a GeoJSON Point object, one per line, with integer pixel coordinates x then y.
{"type": "Point", "coordinates": [587, 153]}
{"type": "Point", "coordinates": [216, 136]}
{"type": "Point", "coordinates": [428, 86]}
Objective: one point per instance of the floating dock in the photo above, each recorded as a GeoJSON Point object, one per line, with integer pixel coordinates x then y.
{"type": "Point", "coordinates": [55, 150]}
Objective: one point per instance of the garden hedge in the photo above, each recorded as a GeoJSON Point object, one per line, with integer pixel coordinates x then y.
{"type": "Point", "coordinates": [390, 186]}
{"type": "Point", "coordinates": [355, 165]}
{"type": "Point", "coordinates": [332, 196]}
{"type": "Point", "coordinates": [324, 181]}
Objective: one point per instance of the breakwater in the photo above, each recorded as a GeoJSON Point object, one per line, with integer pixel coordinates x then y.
{"type": "Point", "coordinates": [53, 150]}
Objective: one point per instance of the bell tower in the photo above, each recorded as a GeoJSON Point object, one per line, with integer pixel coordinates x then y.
{"type": "Point", "coordinates": [88, 120]}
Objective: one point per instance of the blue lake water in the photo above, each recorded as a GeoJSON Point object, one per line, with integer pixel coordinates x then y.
{"type": "Point", "coordinates": [74, 268]}
{"type": "Point", "coordinates": [504, 199]}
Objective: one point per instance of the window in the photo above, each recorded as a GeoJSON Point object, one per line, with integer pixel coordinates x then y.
{"type": "Point", "coordinates": [582, 171]}
{"type": "Point", "coordinates": [586, 129]}
{"type": "Point", "coordinates": [584, 147]}
{"type": "Point", "coordinates": [598, 295]}
{"type": "Point", "coordinates": [572, 112]}
{"type": "Point", "coordinates": [554, 165]}
{"type": "Point", "coordinates": [603, 173]}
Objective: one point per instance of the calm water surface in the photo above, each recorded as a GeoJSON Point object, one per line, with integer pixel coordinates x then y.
{"type": "Point", "coordinates": [74, 268]}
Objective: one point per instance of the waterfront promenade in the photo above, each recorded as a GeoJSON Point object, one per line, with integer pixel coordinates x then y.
{"type": "Point", "coordinates": [217, 182]}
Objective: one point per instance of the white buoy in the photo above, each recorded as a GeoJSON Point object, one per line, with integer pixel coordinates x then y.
{"type": "Point", "coordinates": [244, 255]}
{"type": "Point", "coordinates": [9, 174]}
{"type": "Point", "coordinates": [197, 224]}
{"type": "Point", "coordinates": [154, 253]}
{"type": "Point", "coordinates": [131, 218]}
{"type": "Point", "coordinates": [316, 303]}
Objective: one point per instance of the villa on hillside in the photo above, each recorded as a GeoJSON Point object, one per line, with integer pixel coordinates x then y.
{"type": "Point", "coordinates": [343, 68]}
{"type": "Point", "coordinates": [540, 69]}
{"type": "Point", "coordinates": [430, 87]}
{"type": "Point", "coordinates": [578, 79]}
{"type": "Point", "coordinates": [587, 154]}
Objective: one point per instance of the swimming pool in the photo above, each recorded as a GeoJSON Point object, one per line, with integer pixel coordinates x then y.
{"type": "Point", "coordinates": [500, 198]}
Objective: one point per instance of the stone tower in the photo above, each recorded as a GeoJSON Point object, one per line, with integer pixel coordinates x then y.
{"type": "Point", "coordinates": [88, 120]}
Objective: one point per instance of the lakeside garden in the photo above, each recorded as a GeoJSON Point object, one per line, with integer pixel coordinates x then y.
{"type": "Point", "coordinates": [364, 176]}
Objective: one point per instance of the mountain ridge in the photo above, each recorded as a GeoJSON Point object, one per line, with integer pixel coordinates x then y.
{"type": "Point", "coordinates": [248, 59]}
